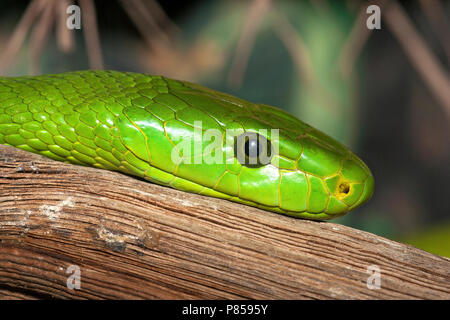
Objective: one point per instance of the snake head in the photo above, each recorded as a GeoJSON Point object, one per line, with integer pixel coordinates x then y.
{"type": "Point", "coordinates": [305, 173]}
{"type": "Point", "coordinates": [318, 177]}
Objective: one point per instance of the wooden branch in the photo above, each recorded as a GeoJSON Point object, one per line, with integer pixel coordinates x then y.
{"type": "Point", "coordinates": [133, 239]}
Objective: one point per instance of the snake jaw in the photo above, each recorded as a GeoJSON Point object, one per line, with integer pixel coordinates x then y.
{"type": "Point", "coordinates": [367, 192]}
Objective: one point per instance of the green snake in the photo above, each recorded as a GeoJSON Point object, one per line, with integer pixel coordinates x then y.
{"type": "Point", "coordinates": [135, 124]}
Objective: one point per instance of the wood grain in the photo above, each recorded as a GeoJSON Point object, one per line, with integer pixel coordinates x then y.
{"type": "Point", "coordinates": [135, 240]}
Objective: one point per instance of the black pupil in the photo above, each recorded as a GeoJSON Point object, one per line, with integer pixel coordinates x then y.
{"type": "Point", "coordinates": [252, 148]}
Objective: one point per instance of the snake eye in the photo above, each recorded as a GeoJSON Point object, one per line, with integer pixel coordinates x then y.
{"type": "Point", "coordinates": [253, 150]}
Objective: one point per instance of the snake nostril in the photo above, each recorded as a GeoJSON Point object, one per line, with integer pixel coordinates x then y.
{"type": "Point", "coordinates": [344, 187]}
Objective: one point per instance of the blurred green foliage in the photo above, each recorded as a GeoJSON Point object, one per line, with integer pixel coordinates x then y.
{"type": "Point", "coordinates": [434, 240]}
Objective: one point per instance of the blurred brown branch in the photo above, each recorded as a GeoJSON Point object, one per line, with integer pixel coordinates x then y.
{"type": "Point", "coordinates": [46, 12]}
{"type": "Point", "coordinates": [148, 16]}
{"type": "Point", "coordinates": [145, 22]}
{"type": "Point", "coordinates": [64, 36]}
{"type": "Point", "coordinates": [160, 16]}
{"type": "Point", "coordinates": [39, 36]}
{"type": "Point", "coordinates": [91, 35]}
{"type": "Point", "coordinates": [301, 58]}
{"type": "Point", "coordinates": [436, 16]}
{"type": "Point", "coordinates": [296, 47]}
{"type": "Point", "coordinates": [421, 57]}
{"type": "Point", "coordinates": [291, 39]}
{"type": "Point", "coordinates": [356, 40]}
{"type": "Point", "coordinates": [20, 32]}
{"type": "Point", "coordinates": [257, 11]}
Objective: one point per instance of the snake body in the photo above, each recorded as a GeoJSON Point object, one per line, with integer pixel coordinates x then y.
{"type": "Point", "coordinates": [133, 123]}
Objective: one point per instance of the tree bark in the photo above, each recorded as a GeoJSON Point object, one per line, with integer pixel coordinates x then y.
{"type": "Point", "coordinates": [131, 239]}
